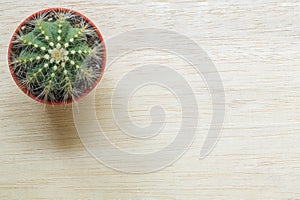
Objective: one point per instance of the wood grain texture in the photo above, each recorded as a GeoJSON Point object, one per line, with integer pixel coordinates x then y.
{"type": "Point", "coordinates": [255, 47]}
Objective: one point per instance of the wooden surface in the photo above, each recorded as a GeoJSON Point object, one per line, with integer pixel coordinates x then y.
{"type": "Point", "coordinates": [255, 47]}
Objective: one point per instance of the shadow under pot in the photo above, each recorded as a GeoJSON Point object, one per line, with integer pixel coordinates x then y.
{"type": "Point", "coordinates": [56, 56]}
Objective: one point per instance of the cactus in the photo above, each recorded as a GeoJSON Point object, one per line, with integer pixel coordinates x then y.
{"type": "Point", "coordinates": [57, 56]}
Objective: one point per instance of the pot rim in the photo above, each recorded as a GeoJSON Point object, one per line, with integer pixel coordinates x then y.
{"type": "Point", "coordinates": [56, 9]}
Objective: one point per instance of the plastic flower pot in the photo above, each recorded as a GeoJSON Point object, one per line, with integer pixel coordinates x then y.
{"type": "Point", "coordinates": [56, 56]}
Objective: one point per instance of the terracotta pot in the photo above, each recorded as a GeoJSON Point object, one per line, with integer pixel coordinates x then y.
{"type": "Point", "coordinates": [48, 12]}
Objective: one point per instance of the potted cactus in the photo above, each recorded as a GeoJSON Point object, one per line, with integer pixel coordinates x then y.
{"type": "Point", "coordinates": [56, 56]}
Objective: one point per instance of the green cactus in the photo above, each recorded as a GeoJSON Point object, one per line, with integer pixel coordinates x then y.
{"type": "Point", "coordinates": [54, 61]}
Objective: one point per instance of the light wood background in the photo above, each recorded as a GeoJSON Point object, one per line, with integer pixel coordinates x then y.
{"type": "Point", "coordinates": [255, 47]}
